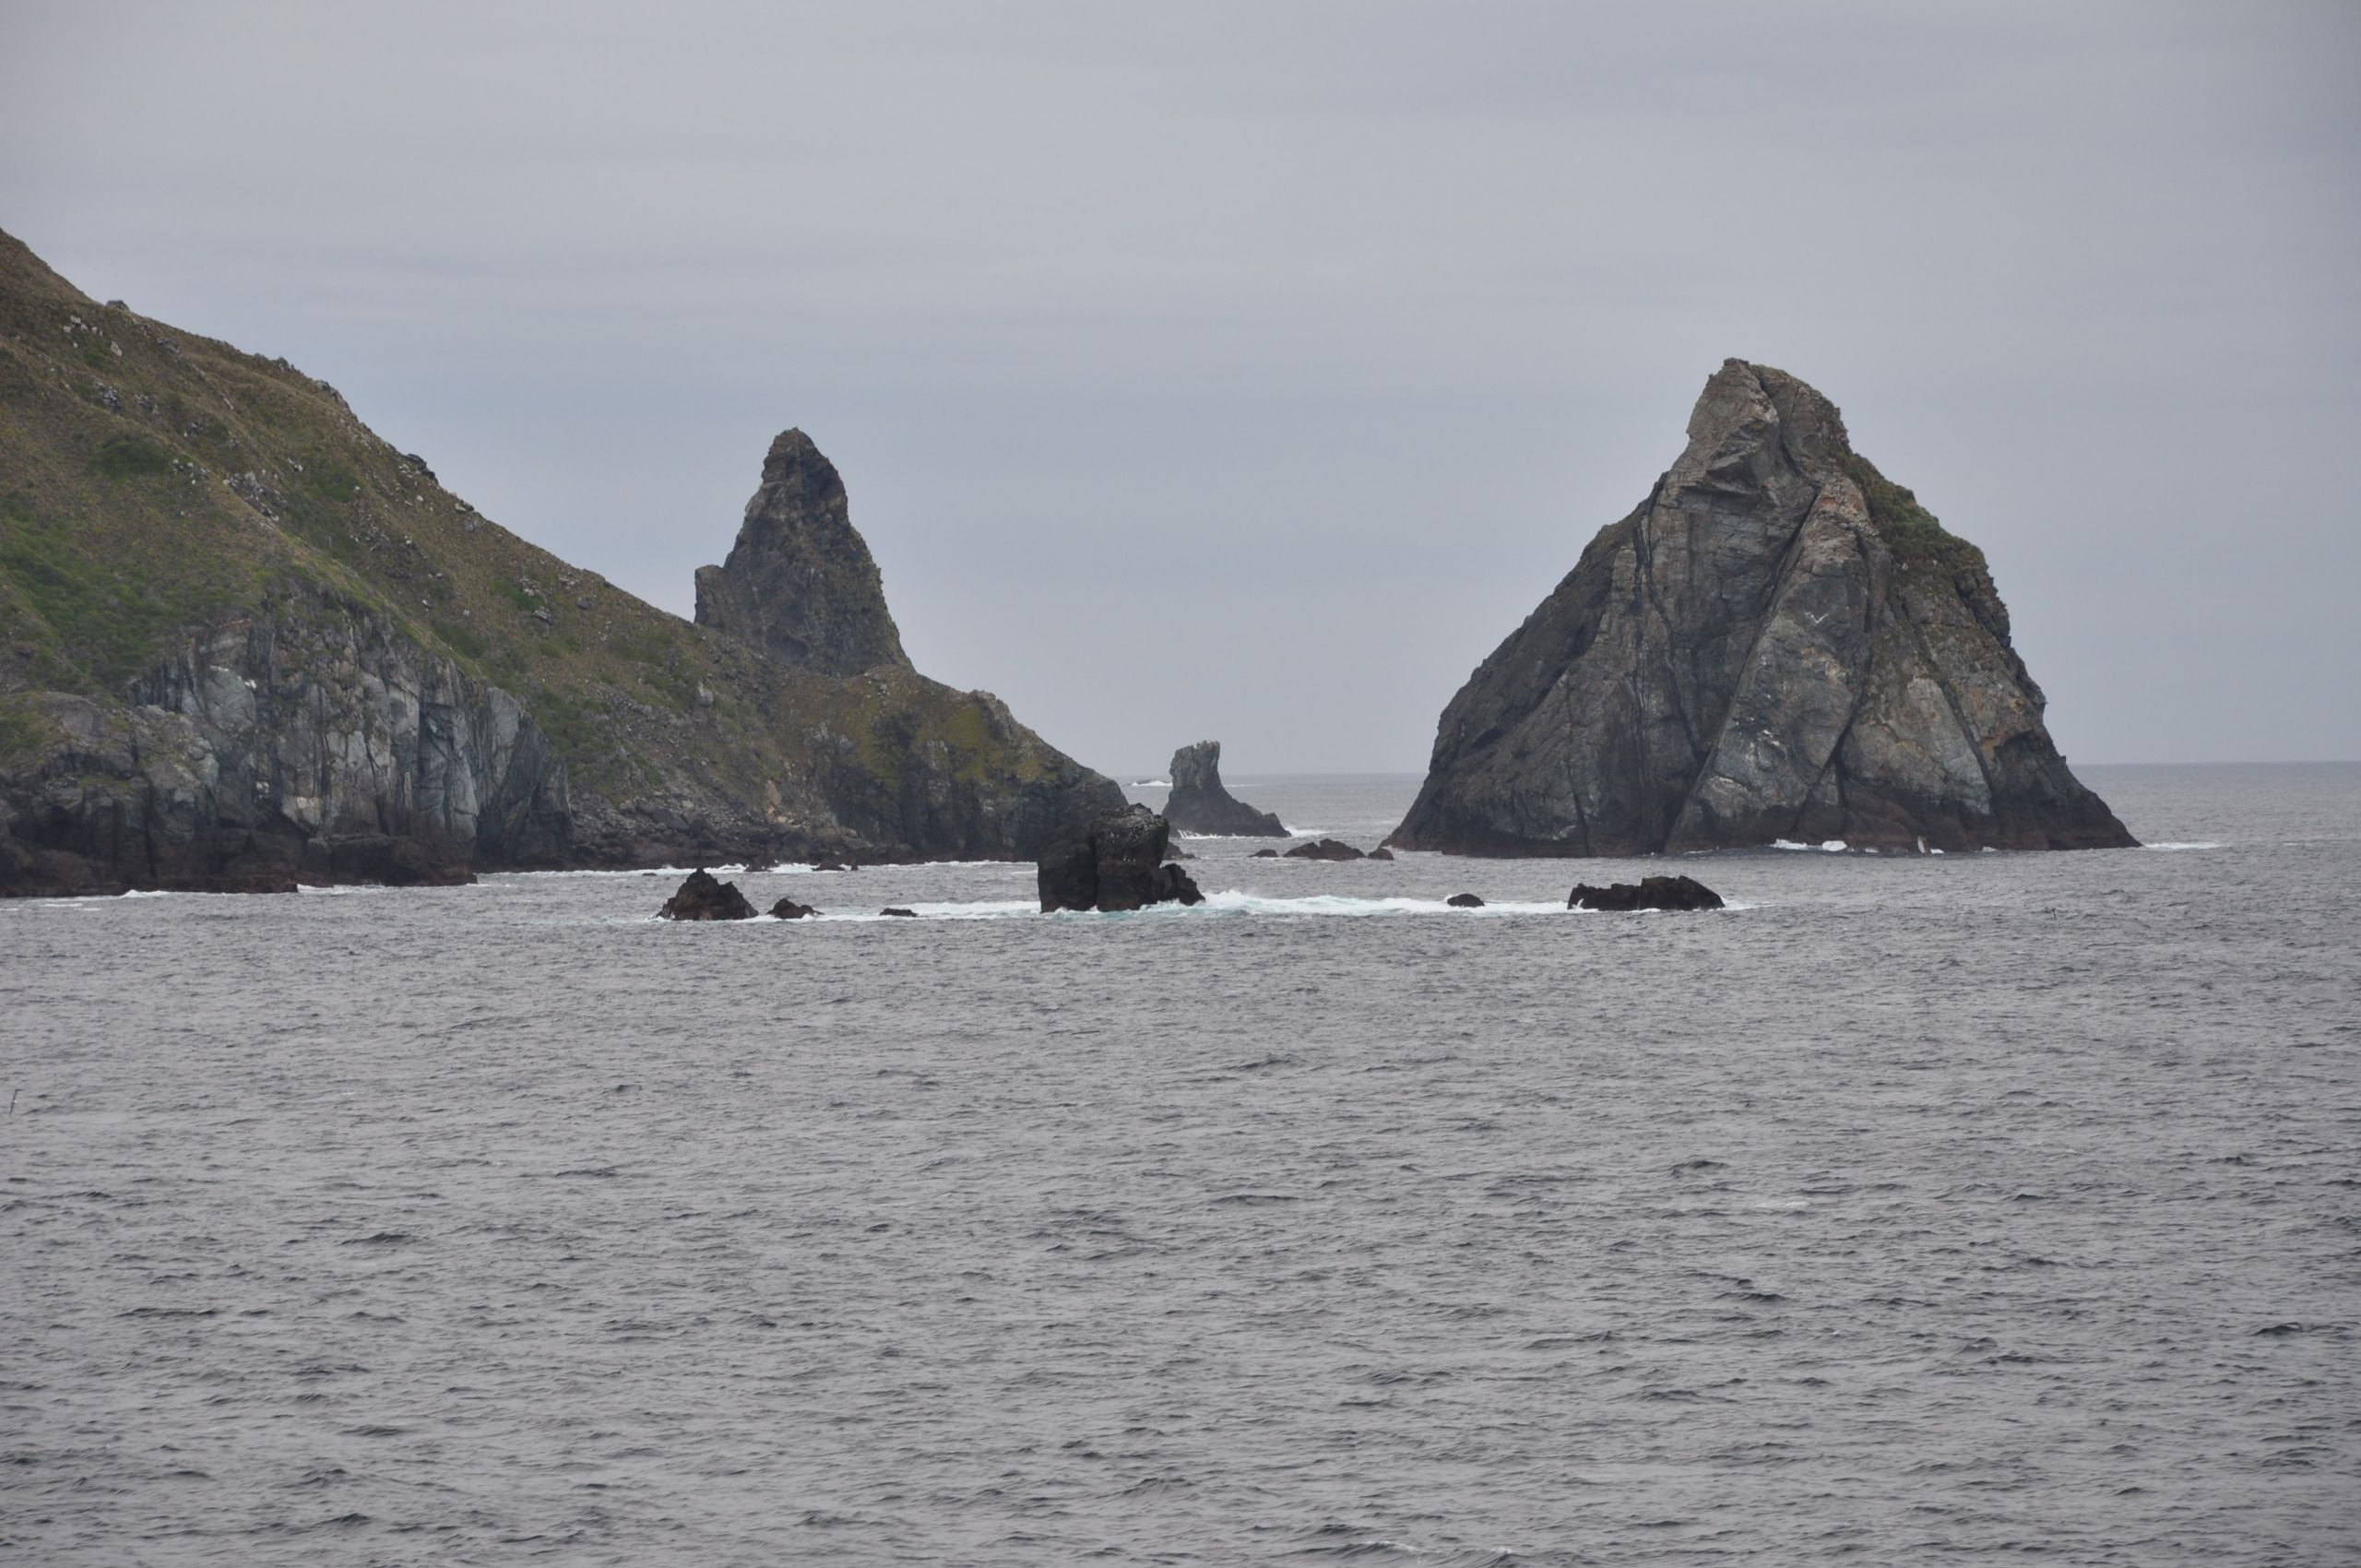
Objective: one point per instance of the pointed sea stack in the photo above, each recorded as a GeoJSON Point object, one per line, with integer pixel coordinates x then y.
{"type": "Point", "coordinates": [1779, 644]}
{"type": "Point", "coordinates": [1199, 805]}
{"type": "Point", "coordinates": [800, 583]}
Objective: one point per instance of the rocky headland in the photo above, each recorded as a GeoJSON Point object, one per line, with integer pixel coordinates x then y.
{"type": "Point", "coordinates": [1779, 643]}
{"type": "Point", "coordinates": [245, 642]}
{"type": "Point", "coordinates": [1200, 804]}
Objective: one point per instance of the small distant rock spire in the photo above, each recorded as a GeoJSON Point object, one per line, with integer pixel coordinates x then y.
{"type": "Point", "coordinates": [1199, 805]}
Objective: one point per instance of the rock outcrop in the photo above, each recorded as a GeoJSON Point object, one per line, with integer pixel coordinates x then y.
{"type": "Point", "coordinates": [1465, 901]}
{"type": "Point", "coordinates": [1324, 849]}
{"type": "Point", "coordinates": [701, 896]}
{"type": "Point", "coordinates": [1113, 863]}
{"type": "Point", "coordinates": [788, 909]}
{"type": "Point", "coordinates": [1648, 893]}
{"type": "Point", "coordinates": [800, 583]}
{"type": "Point", "coordinates": [1199, 805]}
{"type": "Point", "coordinates": [1778, 644]}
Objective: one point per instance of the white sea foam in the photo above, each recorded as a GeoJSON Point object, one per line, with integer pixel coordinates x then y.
{"type": "Point", "coordinates": [1151, 783]}
{"type": "Point", "coordinates": [1833, 845]}
{"type": "Point", "coordinates": [2201, 844]}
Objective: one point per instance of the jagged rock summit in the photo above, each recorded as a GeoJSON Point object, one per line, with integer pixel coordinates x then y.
{"type": "Point", "coordinates": [800, 583]}
{"type": "Point", "coordinates": [1779, 643]}
{"type": "Point", "coordinates": [1199, 805]}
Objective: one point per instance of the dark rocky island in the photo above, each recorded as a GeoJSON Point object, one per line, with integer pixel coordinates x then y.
{"type": "Point", "coordinates": [1324, 849]}
{"type": "Point", "coordinates": [1114, 862]}
{"type": "Point", "coordinates": [245, 642]}
{"type": "Point", "coordinates": [1779, 643]}
{"type": "Point", "coordinates": [702, 897]}
{"type": "Point", "coordinates": [1648, 893]}
{"type": "Point", "coordinates": [1199, 805]}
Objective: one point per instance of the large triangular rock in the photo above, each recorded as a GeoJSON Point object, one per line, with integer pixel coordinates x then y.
{"type": "Point", "coordinates": [1779, 644]}
{"type": "Point", "coordinates": [800, 583]}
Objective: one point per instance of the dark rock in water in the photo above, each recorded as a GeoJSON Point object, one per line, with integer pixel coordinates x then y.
{"type": "Point", "coordinates": [1325, 849]}
{"type": "Point", "coordinates": [1115, 862]}
{"type": "Point", "coordinates": [1465, 901]}
{"type": "Point", "coordinates": [834, 865]}
{"type": "Point", "coordinates": [703, 899]}
{"type": "Point", "coordinates": [1779, 643]}
{"type": "Point", "coordinates": [1264, 855]}
{"type": "Point", "coordinates": [1199, 805]}
{"type": "Point", "coordinates": [1648, 893]}
{"type": "Point", "coordinates": [902, 914]}
{"type": "Point", "coordinates": [788, 909]}
{"type": "Point", "coordinates": [1380, 853]}
{"type": "Point", "coordinates": [1174, 885]}
{"type": "Point", "coordinates": [800, 583]}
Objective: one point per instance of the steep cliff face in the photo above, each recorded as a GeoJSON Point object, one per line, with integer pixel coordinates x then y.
{"type": "Point", "coordinates": [800, 583]}
{"type": "Point", "coordinates": [312, 744]}
{"type": "Point", "coordinates": [243, 638]}
{"type": "Point", "coordinates": [1200, 804]}
{"type": "Point", "coordinates": [1778, 644]}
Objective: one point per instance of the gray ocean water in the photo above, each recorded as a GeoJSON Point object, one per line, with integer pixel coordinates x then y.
{"type": "Point", "coordinates": [1965, 1208]}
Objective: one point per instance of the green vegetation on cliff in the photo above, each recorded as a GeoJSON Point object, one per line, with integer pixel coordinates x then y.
{"type": "Point", "coordinates": [157, 486]}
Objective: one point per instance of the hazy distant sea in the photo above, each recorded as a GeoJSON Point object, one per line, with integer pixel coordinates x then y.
{"type": "Point", "coordinates": [1971, 1208]}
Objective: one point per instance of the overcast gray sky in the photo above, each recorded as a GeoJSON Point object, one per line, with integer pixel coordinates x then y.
{"type": "Point", "coordinates": [1251, 369]}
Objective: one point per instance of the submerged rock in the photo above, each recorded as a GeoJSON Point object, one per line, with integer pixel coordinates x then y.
{"type": "Point", "coordinates": [1648, 893]}
{"type": "Point", "coordinates": [701, 898]}
{"type": "Point", "coordinates": [1199, 805]}
{"type": "Point", "coordinates": [1465, 901]}
{"type": "Point", "coordinates": [901, 914]}
{"type": "Point", "coordinates": [1115, 862]}
{"type": "Point", "coordinates": [1264, 855]}
{"type": "Point", "coordinates": [788, 909]}
{"type": "Point", "coordinates": [1325, 849]}
{"type": "Point", "coordinates": [1380, 853]}
{"type": "Point", "coordinates": [1779, 644]}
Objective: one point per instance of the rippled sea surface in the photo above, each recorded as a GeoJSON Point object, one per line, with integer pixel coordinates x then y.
{"type": "Point", "coordinates": [1964, 1209]}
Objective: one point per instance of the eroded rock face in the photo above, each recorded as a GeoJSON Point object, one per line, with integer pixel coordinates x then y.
{"type": "Point", "coordinates": [319, 745]}
{"type": "Point", "coordinates": [1114, 862]}
{"type": "Point", "coordinates": [800, 583]}
{"type": "Point", "coordinates": [702, 897]}
{"type": "Point", "coordinates": [1648, 893]}
{"type": "Point", "coordinates": [1200, 804]}
{"type": "Point", "coordinates": [1779, 643]}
